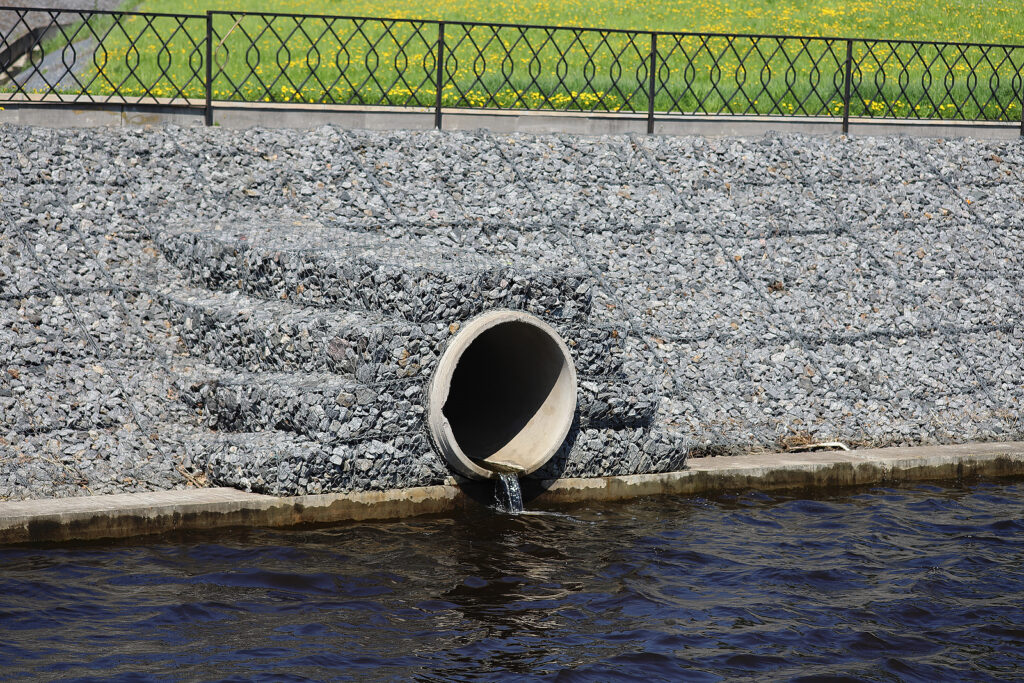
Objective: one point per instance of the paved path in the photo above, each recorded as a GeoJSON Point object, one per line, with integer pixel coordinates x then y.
{"type": "Point", "coordinates": [11, 20]}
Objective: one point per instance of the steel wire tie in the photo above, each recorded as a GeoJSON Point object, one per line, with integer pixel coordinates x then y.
{"type": "Point", "coordinates": [681, 202]}
{"type": "Point", "coordinates": [892, 273]}
{"type": "Point", "coordinates": [595, 273]}
{"type": "Point", "coordinates": [139, 420]}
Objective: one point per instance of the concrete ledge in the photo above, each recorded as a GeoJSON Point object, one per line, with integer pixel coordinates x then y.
{"type": "Point", "coordinates": [87, 115]}
{"type": "Point", "coordinates": [128, 515]}
{"type": "Point", "coordinates": [821, 470]}
{"type": "Point", "coordinates": [140, 514]}
{"type": "Point", "coordinates": [55, 112]}
{"type": "Point", "coordinates": [987, 130]}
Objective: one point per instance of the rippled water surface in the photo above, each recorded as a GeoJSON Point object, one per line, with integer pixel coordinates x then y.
{"type": "Point", "coordinates": [919, 583]}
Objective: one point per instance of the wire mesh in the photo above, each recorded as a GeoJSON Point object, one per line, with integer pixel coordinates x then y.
{"type": "Point", "coordinates": [100, 57]}
{"type": "Point", "coordinates": [323, 60]}
{"type": "Point", "coordinates": [543, 68]}
{"type": "Point", "coordinates": [761, 75]}
{"type": "Point", "coordinates": [914, 80]}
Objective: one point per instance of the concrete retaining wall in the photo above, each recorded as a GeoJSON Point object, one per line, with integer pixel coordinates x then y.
{"type": "Point", "coordinates": [243, 115]}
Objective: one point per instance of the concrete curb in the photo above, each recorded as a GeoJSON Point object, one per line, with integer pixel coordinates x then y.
{"type": "Point", "coordinates": [129, 515]}
{"type": "Point", "coordinates": [53, 112]}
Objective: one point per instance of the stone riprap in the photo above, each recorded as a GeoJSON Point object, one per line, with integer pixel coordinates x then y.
{"type": "Point", "coordinates": [263, 308]}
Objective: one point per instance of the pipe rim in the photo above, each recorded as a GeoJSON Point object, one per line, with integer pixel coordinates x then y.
{"type": "Point", "coordinates": [438, 426]}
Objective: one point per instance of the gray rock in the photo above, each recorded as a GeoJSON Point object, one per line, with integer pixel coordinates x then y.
{"type": "Point", "coordinates": [261, 308]}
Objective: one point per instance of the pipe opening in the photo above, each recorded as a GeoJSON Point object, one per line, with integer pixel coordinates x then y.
{"type": "Point", "coordinates": [500, 384]}
{"type": "Point", "coordinates": [503, 397]}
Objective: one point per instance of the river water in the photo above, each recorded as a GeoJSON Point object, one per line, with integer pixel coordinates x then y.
{"type": "Point", "coordinates": [921, 583]}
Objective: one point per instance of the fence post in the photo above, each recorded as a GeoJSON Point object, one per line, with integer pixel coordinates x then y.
{"type": "Point", "coordinates": [1022, 106]}
{"type": "Point", "coordinates": [846, 86]}
{"type": "Point", "coordinates": [650, 85]}
{"type": "Point", "coordinates": [209, 68]}
{"type": "Point", "coordinates": [439, 81]}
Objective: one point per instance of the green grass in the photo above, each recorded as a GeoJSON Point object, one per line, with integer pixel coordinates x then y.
{"type": "Point", "coordinates": [984, 21]}
{"type": "Point", "coordinates": [323, 61]}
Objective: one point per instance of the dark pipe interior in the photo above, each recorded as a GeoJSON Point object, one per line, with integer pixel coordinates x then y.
{"type": "Point", "coordinates": [501, 381]}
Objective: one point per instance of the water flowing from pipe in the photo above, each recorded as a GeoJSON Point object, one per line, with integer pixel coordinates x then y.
{"type": "Point", "coordinates": [508, 497]}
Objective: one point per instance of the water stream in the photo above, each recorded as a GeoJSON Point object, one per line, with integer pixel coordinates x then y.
{"type": "Point", "coordinates": [508, 497]}
{"type": "Point", "coordinates": [878, 584]}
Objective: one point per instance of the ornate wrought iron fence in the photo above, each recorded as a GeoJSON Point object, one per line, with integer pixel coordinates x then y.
{"type": "Point", "coordinates": [85, 57]}
{"type": "Point", "coordinates": [963, 81]}
{"type": "Point", "coordinates": [94, 57]}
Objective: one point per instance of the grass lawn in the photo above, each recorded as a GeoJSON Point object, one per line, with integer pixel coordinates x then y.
{"type": "Point", "coordinates": [340, 61]}
{"type": "Point", "coordinates": [978, 21]}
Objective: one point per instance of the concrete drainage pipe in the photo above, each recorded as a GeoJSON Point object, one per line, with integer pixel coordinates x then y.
{"type": "Point", "coordinates": [502, 397]}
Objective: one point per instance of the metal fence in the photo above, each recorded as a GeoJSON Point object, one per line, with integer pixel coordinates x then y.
{"type": "Point", "coordinates": [98, 58]}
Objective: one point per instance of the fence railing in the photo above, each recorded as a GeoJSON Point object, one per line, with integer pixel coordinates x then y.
{"type": "Point", "coordinates": [96, 58]}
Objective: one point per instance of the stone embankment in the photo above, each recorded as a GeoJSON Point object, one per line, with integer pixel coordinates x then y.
{"type": "Point", "coordinates": [262, 309]}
